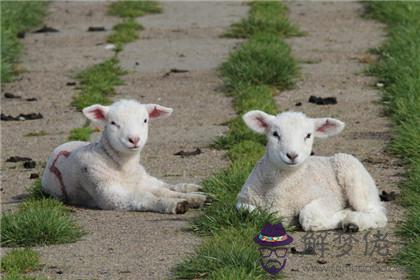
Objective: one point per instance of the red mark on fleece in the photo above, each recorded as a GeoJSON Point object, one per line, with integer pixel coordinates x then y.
{"type": "Point", "coordinates": [99, 115]}
{"type": "Point", "coordinates": [57, 172]}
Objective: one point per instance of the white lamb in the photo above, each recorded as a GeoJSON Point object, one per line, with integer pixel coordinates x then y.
{"type": "Point", "coordinates": [107, 174]}
{"type": "Point", "coordinates": [324, 192]}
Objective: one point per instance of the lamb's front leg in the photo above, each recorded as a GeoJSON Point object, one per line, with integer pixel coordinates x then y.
{"type": "Point", "coordinates": [162, 189]}
{"type": "Point", "coordinates": [195, 200]}
{"type": "Point", "coordinates": [181, 187]}
{"type": "Point", "coordinates": [117, 197]}
{"type": "Point", "coordinates": [321, 214]}
{"type": "Point", "coordinates": [184, 187]}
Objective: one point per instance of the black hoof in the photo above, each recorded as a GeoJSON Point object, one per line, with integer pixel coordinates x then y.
{"type": "Point", "coordinates": [209, 199]}
{"type": "Point", "coordinates": [181, 207]}
{"type": "Point", "coordinates": [350, 228]}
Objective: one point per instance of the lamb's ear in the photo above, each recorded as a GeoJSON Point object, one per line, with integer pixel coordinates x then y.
{"type": "Point", "coordinates": [156, 111]}
{"type": "Point", "coordinates": [258, 121]}
{"type": "Point", "coordinates": [326, 127]}
{"type": "Point", "coordinates": [96, 113]}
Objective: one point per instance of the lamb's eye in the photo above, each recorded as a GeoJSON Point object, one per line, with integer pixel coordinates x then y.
{"type": "Point", "coordinates": [308, 136]}
{"type": "Point", "coordinates": [114, 123]}
{"type": "Point", "coordinates": [276, 134]}
{"type": "Point", "coordinates": [145, 120]}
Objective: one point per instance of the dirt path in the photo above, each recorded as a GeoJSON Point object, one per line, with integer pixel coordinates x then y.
{"type": "Point", "coordinates": [122, 245]}
{"type": "Point", "coordinates": [50, 60]}
{"type": "Point", "coordinates": [336, 44]}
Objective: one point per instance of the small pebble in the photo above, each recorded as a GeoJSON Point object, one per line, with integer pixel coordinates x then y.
{"type": "Point", "coordinates": [322, 100]}
{"type": "Point", "coordinates": [96, 29]}
{"type": "Point", "coordinates": [46, 29]}
{"type": "Point", "coordinates": [109, 46]}
{"type": "Point", "coordinates": [11, 95]}
{"type": "Point", "coordinates": [321, 261]}
{"type": "Point", "coordinates": [17, 159]}
{"type": "Point", "coordinates": [29, 164]}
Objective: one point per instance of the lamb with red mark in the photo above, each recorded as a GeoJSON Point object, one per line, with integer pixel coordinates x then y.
{"type": "Point", "coordinates": [107, 173]}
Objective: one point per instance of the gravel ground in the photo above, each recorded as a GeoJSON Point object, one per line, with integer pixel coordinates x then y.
{"type": "Point", "coordinates": [186, 36]}
{"type": "Point", "coordinates": [121, 245]}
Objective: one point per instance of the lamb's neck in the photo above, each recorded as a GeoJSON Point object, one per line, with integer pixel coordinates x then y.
{"type": "Point", "coordinates": [272, 172]}
{"type": "Point", "coordinates": [124, 161]}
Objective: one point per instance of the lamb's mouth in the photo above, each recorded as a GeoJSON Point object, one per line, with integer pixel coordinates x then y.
{"type": "Point", "coordinates": [289, 163]}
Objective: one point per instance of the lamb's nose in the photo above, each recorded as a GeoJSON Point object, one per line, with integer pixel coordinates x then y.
{"type": "Point", "coordinates": [134, 140]}
{"type": "Point", "coordinates": [291, 156]}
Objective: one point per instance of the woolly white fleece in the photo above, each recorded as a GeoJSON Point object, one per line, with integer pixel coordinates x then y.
{"type": "Point", "coordinates": [324, 192]}
{"type": "Point", "coordinates": [107, 174]}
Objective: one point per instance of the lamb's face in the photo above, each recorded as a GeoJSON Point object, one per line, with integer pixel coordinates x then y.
{"type": "Point", "coordinates": [290, 138]}
{"type": "Point", "coordinates": [127, 126]}
{"type": "Point", "coordinates": [290, 135]}
{"type": "Point", "coordinates": [126, 123]}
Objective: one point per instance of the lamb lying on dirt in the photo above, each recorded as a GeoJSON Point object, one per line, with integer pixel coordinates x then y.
{"type": "Point", "coordinates": [108, 174]}
{"type": "Point", "coordinates": [324, 192]}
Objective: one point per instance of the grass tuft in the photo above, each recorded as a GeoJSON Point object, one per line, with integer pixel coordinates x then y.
{"type": "Point", "coordinates": [35, 191]}
{"type": "Point", "coordinates": [20, 261]}
{"type": "Point", "coordinates": [252, 74]}
{"type": "Point", "coordinates": [134, 8]}
{"type": "Point", "coordinates": [223, 256]}
{"type": "Point", "coordinates": [36, 133]}
{"type": "Point", "coordinates": [81, 134]}
{"type": "Point", "coordinates": [16, 16]}
{"type": "Point", "coordinates": [97, 83]}
{"type": "Point", "coordinates": [399, 68]}
{"type": "Point", "coordinates": [125, 32]}
{"type": "Point", "coordinates": [38, 222]}
{"type": "Point", "coordinates": [263, 60]}
{"type": "Point", "coordinates": [264, 16]}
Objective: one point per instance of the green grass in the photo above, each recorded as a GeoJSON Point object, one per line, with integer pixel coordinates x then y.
{"type": "Point", "coordinates": [16, 16]}
{"type": "Point", "coordinates": [134, 8]}
{"type": "Point", "coordinates": [399, 69]}
{"type": "Point", "coordinates": [35, 191]}
{"type": "Point", "coordinates": [36, 133]}
{"type": "Point", "coordinates": [264, 16]}
{"type": "Point", "coordinates": [246, 98]}
{"type": "Point", "coordinates": [97, 83]}
{"type": "Point", "coordinates": [38, 222]}
{"type": "Point", "coordinates": [20, 261]}
{"type": "Point", "coordinates": [81, 134]}
{"type": "Point", "coordinates": [125, 32]}
{"type": "Point", "coordinates": [252, 74]}
{"type": "Point", "coordinates": [263, 60]}
{"type": "Point", "coordinates": [225, 256]}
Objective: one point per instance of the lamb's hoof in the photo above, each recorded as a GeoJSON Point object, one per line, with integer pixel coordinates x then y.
{"type": "Point", "coordinates": [181, 207]}
{"type": "Point", "coordinates": [350, 228]}
{"type": "Point", "coordinates": [209, 199]}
